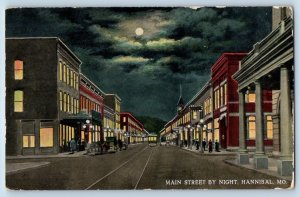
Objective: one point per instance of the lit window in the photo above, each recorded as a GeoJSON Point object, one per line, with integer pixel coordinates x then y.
{"type": "Point", "coordinates": [250, 98]}
{"type": "Point", "coordinates": [68, 76]}
{"type": "Point", "coordinates": [46, 137]}
{"type": "Point", "coordinates": [60, 71]}
{"type": "Point", "coordinates": [269, 127]}
{"type": "Point", "coordinates": [216, 128]}
{"type": "Point", "coordinates": [71, 78]}
{"type": "Point", "coordinates": [251, 127]}
{"type": "Point", "coordinates": [60, 100]}
{"type": "Point", "coordinates": [194, 115]}
{"type": "Point", "coordinates": [65, 102]}
{"type": "Point", "coordinates": [28, 141]}
{"type": "Point", "coordinates": [18, 70]}
{"type": "Point", "coordinates": [65, 73]}
{"type": "Point", "coordinates": [221, 96]}
{"type": "Point", "coordinates": [18, 101]}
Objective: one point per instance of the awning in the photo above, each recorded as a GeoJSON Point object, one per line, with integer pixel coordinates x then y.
{"type": "Point", "coordinates": [82, 117]}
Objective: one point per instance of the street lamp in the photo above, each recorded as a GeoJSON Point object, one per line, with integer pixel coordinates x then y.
{"type": "Point", "coordinates": [201, 126]}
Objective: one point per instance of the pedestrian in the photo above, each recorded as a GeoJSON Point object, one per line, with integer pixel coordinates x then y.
{"type": "Point", "coordinates": [78, 144]}
{"type": "Point", "coordinates": [203, 144]}
{"type": "Point", "coordinates": [210, 146]}
{"type": "Point", "coordinates": [197, 144]}
{"type": "Point", "coordinates": [217, 146]}
{"type": "Point", "coordinates": [120, 143]}
{"type": "Point", "coordinates": [72, 145]}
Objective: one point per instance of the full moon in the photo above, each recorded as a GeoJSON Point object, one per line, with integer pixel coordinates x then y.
{"type": "Point", "coordinates": [139, 31]}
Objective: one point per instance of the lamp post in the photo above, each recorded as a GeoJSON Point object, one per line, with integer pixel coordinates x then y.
{"type": "Point", "coordinates": [87, 127]}
{"type": "Point", "coordinates": [201, 125]}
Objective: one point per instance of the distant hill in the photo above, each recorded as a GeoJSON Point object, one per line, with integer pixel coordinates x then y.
{"type": "Point", "coordinates": [152, 125]}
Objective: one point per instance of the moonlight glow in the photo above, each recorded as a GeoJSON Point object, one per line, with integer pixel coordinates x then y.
{"type": "Point", "coordinates": [139, 31]}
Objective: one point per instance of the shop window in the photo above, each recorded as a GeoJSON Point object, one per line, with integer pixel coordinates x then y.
{"type": "Point", "coordinates": [269, 127]}
{"type": "Point", "coordinates": [28, 141]}
{"type": "Point", "coordinates": [18, 100]}
{"type": "Point", "coordinates": [46, 137]}
{"type": "Point", "coordinates": [251, 128]}
{"type": "Point", "coordinates": [18, 66]}
{"type": "Point", "coordinates": [216, 129]}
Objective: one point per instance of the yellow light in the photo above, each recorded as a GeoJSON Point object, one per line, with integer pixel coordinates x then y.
{"type": "Point", "coordinates": [139, 31]}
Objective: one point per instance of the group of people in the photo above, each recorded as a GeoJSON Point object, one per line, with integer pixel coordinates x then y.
{"type": "Point", "coordinates": [103, 146]}
{"type": "Point", "coordinates": [210, 145]}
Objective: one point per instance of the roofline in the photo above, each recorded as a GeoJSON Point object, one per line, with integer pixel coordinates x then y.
{"type": "Point", "coordinates": [86, 78]}
{"type": "Point", "coordinates": [130, 114]}
{"type": "Point", "coordinates": [56, 38]}
{"type": "Point", "coordinates": [109, 94]}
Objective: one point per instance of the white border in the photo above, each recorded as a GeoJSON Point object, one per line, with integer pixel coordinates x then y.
{"type": "Point", "coordinates": [4, 4]}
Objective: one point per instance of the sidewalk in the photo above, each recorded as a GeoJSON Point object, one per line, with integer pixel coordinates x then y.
{"type": "Point", "coordinates": [272, 169]}
{"type": "Point", "coordinates": [206, 153]}
{"type": "Point", "coordinates": [59, 155]}
{"type": "Point", "coordinates": [12, 168]}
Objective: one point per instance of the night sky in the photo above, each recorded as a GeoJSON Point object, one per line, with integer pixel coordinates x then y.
{"type": "Point", "coordinates": [144, 54]}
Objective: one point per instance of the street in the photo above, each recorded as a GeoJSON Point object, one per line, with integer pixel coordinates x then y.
{"type": "Point", "coordinates": [140, 167]}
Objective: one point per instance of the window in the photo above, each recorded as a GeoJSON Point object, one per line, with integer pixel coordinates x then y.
{"type": "Point", "coordinates": [46, 137]}
{"type": "Point", "coordinates": [60, 71]}
{"type": "Point", "coordinates": [269, 127]}
{"type": "Point", "coordinates": [69, 103]}
{"type": "Point", "coordinates": [251, 127]}
{"type": "Point", "coordinates": [18, 101]}
{"type": "Point", "coordinates": [65, 102]}
{"type": "Point", "coordinates": [77, 85]}
{"type": "Point", "coordinates": [216, 129]}
{"type": "Point", "coordinates": [18, 69]}
{"type": "Point", "coordinates": [221, 96]}
{"type": "Point", "coordinates": [68, 76]}
{"type": "Point", "coordinates": [61, 101]}
{"type": "Point", "coordinates": [250, 98]}
{"type": "Point", "coordinates": [71, 78]}
{"type": "Point", "coordinates": [194, 115]}
{"type": "Point", "coordinates": [28, 141]}
{"type": "Point", "coordinates": [65, 73]}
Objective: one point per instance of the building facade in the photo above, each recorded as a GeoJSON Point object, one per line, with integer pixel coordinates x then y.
{"type": "Point", "coordinates": [108, 122]}
{"type": "Point", "coordinates": [226, 102]}
{"type": "Point", "coordinates": [92, 104]}
{"type": "Point", "coordinates": [114, 102]}
{"type": "Point", "coordinates": [42, 88]}
{"type": "Point", "coordinates": [133, 129]}
{"type": "Point", "coordinates": [270, 66]}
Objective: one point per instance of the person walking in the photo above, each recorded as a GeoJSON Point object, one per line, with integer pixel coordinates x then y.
{"type": "Point", "coordinates": [203, 144]}
{"type": "Point", "coordinates": [120, 143]}
{"type": "Point", "coordinates": [197, 144]}
{"type": "Point", "coordinates": [72, 145]}
{"type": "Point", "coordinates": [217, 146]}
{"type": "Point", "coordinates": [210, 146]}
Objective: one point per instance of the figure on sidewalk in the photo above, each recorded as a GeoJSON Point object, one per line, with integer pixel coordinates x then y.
{"type": "Point", "coordinates": [203, 144]}
{"type": "Point", "coordinates": [217, 146]}
{"type": "Point", "coordinates": [197, 144]}
{"type": "Point", "coordinates": [72, 145]}
{"type": "Point", "coordinates": [210, 146]}
{"type": "Point", "coordinates": [120, 143]}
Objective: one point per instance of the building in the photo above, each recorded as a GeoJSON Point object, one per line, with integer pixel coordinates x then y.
{"type": "Point", "coordinates": [42, 89]}
{"type": "Point", "coordinates": [270, 66]}
{"type": "Point", "coordinates": [108, 122]}
{"type": "Point", "coordinates": [92, 104]}
{"type": "Point", "coordinates": [114, 102]}
{"type": "Point", "coordinates": [226, 102]}
{"type": "Point", "coordinates": [133, 129]}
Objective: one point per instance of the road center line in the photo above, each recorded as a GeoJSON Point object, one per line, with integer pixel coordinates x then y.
{"type": "Point", "coordinates": [115, 169]}
{"type": "Point", "coordinates": [143, 169]}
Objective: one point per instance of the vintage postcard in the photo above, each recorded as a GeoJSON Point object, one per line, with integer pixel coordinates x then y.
{"type": "Point", "coordinates": [149, 98]}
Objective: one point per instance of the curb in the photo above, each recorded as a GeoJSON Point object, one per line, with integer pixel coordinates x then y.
{"type": "Point", "coordinates": [260, 171]}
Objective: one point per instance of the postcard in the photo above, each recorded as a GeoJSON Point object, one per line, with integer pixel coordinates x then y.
{"type": "Point", "coordinates": [135, 98]}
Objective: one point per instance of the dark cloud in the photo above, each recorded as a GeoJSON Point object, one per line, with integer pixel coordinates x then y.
{"type": "Point", "coordinates": [179, 46]}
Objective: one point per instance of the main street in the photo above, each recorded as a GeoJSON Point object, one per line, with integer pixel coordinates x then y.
{"type": "Point", "coordinates": [139, 167]}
